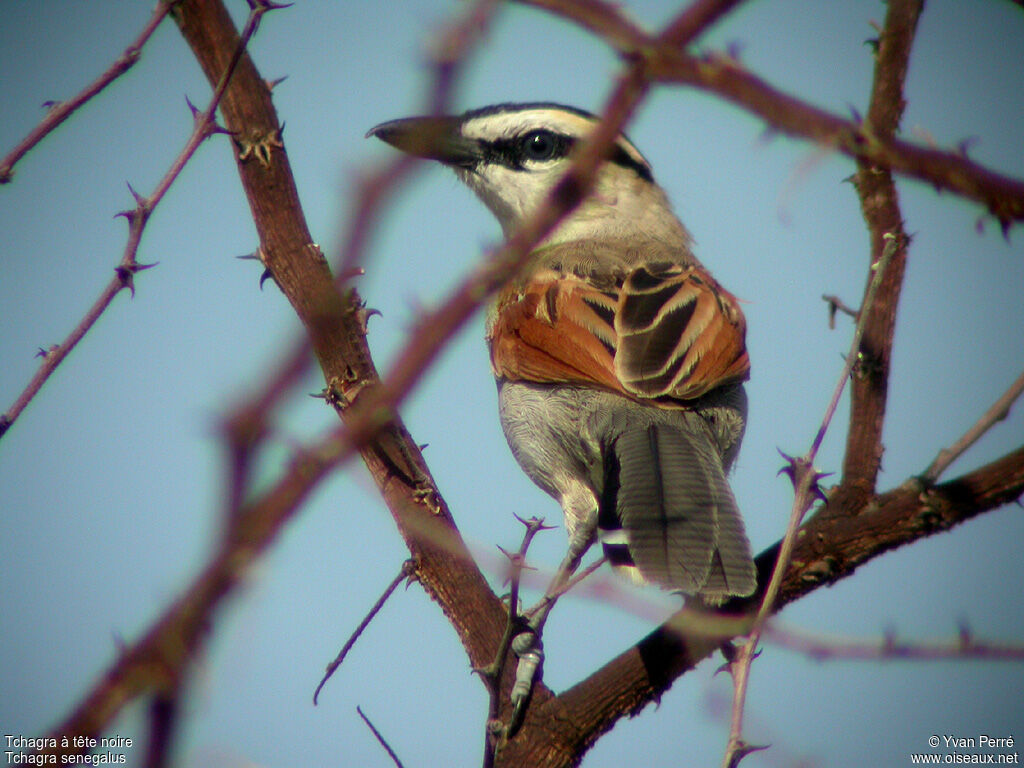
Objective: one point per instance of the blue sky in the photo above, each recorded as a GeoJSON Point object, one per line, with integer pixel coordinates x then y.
{"type": "Point", "coordinates": [112, 480]}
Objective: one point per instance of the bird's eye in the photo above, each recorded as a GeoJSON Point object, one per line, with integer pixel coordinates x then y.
{"type": "Point", "coordinates": [540, 145]}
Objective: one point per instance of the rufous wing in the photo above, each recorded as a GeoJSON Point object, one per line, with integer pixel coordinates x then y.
{"type": "Point", "coordinates": [661, 331]}
{"type": "Point", "coordinates": [679, 334]}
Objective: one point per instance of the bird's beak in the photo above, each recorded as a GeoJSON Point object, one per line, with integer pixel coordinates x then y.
{"type": "Point", "coordinates": [433, 138]}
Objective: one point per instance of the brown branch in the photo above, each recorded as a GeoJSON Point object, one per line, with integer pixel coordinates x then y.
{"type": "Point", "coordinates": [823, 648]}
{"type": "Point", "coordinates": [380, 739]}
{"type": "Point", "coordinates": [164, 716]}
{"type": "Point", "coordinates": [335, 327]}
{"type": "Point", "coordinates": [404, 574]}
{"type": "Point", "coordinates": [880, 208]}
{"type": "Point", "coordinates": [605, 20]}
{"type": "Point", "coordinates": [723, 75]}
{"type": "Point", "coordinates": [492, 674]}
{"type": "Point", "coordinates": [334, 324]}
{"type": "Point", "coordinates": [138, 217]}
{"type": "Point", "coordinates": [806, 489]}
{"type": "Point", "coordinates": [1002, 196]}
{"type": "Point", "coordinates": [61, 111]}
{"type": "Point", "coordinates": [833, 544]}
{"type": "Point", "coordinates": [998, 411]}
{"type": "Point", "coordinates": [835, 305]}
{"type": "Point", "coordinates": [338, 341]}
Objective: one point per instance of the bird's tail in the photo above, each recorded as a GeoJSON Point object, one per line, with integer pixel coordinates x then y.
{"type": "Point", "coordinates": [667, 513]}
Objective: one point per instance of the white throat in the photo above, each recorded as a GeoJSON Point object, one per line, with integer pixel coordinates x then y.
{"type": "Point", "coordinates": [621, 206]}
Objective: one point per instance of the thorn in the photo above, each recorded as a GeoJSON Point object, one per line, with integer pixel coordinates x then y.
{"type": "Point", "coordinates": [855, 114]}
{"type": "Point", "coordinates": [267, 275]}
{"type": "Point", "coordinates": [790, 469]}
{"type": "Point", "coordinates": [272, 84]}
{"type": "Point", "coordinates": [964, 634]}
{"type": "Point", "coordinates": [1004, 225]}
{"type": "Point", "coordinates": [734, 49]}
{"type": "Point", "coordinates": [51, 104]}
{"type": "Point", "coordinates": [363, 316]}
{"type": "Point", "coordinates": [351, 273]}
{"type": "Point", "coordinates": [423, 446]}
{"type": "Point", "coordinates": [743, 749]}
{"type": "Point", "coordinates": [964, 145]}
{"type": "Point", "coordinates": [140, 201]}
{"type": "Point", "coordinates": [816, 490]}
{"type": "Point", "coordinates": [889, 640]}
{"type": "Point", "coordinates": [214, 127]}
{"type": "Point", "coordinates": [126, 274]}
{"type": "Point", "coordinates": [254, 256]}
{"type": "Point", "coordinates": [193, 108]}
{"type": "Point", "coordinates": [873, 42]}
{"type": "Point", "coordinates": [534, 523]}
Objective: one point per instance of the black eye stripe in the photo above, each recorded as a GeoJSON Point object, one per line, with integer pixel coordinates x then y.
{"type": "Point", "coordinates": [511, 152]}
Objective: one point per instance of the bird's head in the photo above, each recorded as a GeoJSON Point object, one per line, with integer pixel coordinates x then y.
{"type": "Point", "coordinates": [512, 155]}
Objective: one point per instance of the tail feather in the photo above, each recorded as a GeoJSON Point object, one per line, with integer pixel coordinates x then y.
{"type": "Point", "coordinates": [666, 490]}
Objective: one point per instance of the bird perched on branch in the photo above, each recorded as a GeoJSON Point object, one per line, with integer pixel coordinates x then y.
{"type": "Point", "coordinates": [619, 359]}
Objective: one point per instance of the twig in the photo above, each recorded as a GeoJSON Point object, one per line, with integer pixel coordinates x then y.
{"type": "Point", "coordinates": [61, 111]}
{"type": "Point", "coordinates": [491, 674]}
{"type": "Point", "coordinates": [879, 204]}
{"type": "Point", "coordinates": [380, 739]}
{"type": "Point", "coordinates": [557, 593]}
{"type": "Point", "coordinates": [124, 273]}
{"type": "Point", "coordinates": [998, 411]}
{"type": "Point", "coordinates": [407, 571]}
{"type": "Point", "coordinates": [805, 483]}
{"type": "Point", "coordinates": [164, 711]}
{"type": "Point", "coordinates": [724, 76]}
{"type": "Point", "coordinates": [821, 648]}
{"type": "Point", "coordinates": [170, 642]}
{"type": "Point", "coordinates": [835, 304]}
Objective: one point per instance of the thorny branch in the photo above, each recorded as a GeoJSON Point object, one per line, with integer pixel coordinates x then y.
{"type": "Point", "coordinates": [380, 739]}
{"type": "Point", "coordinates": [406, 573]}
{"type": "Point", "coordinates": [62, 110]}
{"type": "Point", "coordinates": [138, 217]}
{"type": "Point", "coordinates": [493, 672]}
{"type": "Point", "coordinates": [724, 76]}
{"type": "Point", "coordinates": [172, 641]}
{"type": "Point", "coordinates": [824, 648]}
{"type": "Point", "coordinates": [999, 410]}
{"type": "Point", "coordinates": [805, 485]}
{"type": "Point", "coordinates": [880, 208]}
{"type": "Point", "coordinates": [834, 544]}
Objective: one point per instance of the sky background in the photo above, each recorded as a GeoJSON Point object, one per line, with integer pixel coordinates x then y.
{"type": "Point", "coordinates": [111, 481]}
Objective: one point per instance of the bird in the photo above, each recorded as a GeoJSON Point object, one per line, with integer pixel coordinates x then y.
{"type": "Point", "coordinates": [620, 361]}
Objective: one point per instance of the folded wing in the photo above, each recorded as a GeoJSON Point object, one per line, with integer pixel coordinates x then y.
{"type": "Point", "coordinates": [658, 331]}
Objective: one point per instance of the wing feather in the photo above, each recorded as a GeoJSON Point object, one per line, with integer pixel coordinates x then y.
{"type": "Point", "coordinates": [659, 331]}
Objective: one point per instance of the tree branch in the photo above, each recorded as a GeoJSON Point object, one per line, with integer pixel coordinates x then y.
{"type": "Point", "coordinates": [725, 77]}
{"type": "Point", "coordinates": [62, 110]}
{"type": "Point", "coordinates": [832, 545]}
{"type": "Point", "coordinates": [998, 411]}
{"type": "Point", "coordinates": [138, 217]}
{"type": "Point", "coordinates": [880, 207]}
